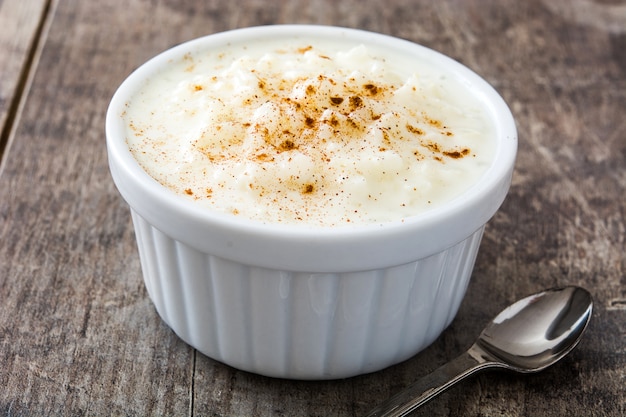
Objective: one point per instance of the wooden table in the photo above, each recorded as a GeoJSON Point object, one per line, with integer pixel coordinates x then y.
{"type": "Point", "coordinates": [78, 334]}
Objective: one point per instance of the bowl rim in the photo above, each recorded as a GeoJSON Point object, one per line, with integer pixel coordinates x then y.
{"type": "Point", "coordinates": [305, 247]}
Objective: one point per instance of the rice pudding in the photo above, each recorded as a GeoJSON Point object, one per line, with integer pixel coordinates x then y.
{"type": "Point", "coordinates": [314, 132]}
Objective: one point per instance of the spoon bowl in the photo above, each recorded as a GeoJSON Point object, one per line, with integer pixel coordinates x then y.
{"type": "Point", "coordinates": [538, 330]}
{"type": "Point", "coordinates": [528, 336]}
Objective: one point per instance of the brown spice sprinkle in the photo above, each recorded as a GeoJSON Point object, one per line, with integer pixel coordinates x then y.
{"type": "Point", "coordinates": [310, 122]}
{"type": "Point", "coordinates": [297, 132]}
{"type": "Point", "coordinates": [434, 122]}
{"type": "Point", "coordinates": [371, 88]}
{"type": "Point", "coordinates": [287, 145]}
{"type": "Point", "coordinates": [436, 148]}
{"type": "Point", "coordinates": [311, 109]}
{"type": "Point", "coordinates": [433, 146]}
{"type": "Point", "coordinates": [263, 157]}
{"type": "Point", "coordinates": [457, 154]}
{"type": "Point", "coordinates": [333, 121]}
{"type": "Point", "coordinates": [356, 102]}
{"type": "Point", "coordinates": [414, 130]}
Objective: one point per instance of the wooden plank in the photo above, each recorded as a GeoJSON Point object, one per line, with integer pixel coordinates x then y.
{"type": "Point", "coordinates": [20, 22]}
{"type": "Point", "coordinates": [78, 335]}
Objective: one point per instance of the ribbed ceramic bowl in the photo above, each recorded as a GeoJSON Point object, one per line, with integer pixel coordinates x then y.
{"type": "Point", "coordinates": [298, 302]}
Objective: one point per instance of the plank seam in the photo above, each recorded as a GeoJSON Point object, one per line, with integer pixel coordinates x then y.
{"type": "Point", "coordinates": [24, 81]}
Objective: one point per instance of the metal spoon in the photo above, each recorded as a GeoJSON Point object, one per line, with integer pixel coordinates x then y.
{"type": "Point", "coordinates": [528, 336]}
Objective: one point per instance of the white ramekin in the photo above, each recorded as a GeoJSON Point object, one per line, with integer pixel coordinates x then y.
{"type": "Point", "coordinates": [298, 302]}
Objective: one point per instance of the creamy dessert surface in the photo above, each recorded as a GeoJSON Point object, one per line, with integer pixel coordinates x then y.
{"type": "Point", "coordinates": [310, 132]}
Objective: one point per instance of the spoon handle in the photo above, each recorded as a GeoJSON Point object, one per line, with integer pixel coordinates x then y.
{"type": "Point", "coordinates": [433, 384]}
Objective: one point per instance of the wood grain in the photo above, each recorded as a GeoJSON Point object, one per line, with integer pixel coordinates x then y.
{"type": "Point", "coordinates": [21, 23]}
{"type": "Point", "coordinates": [78, 334]}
